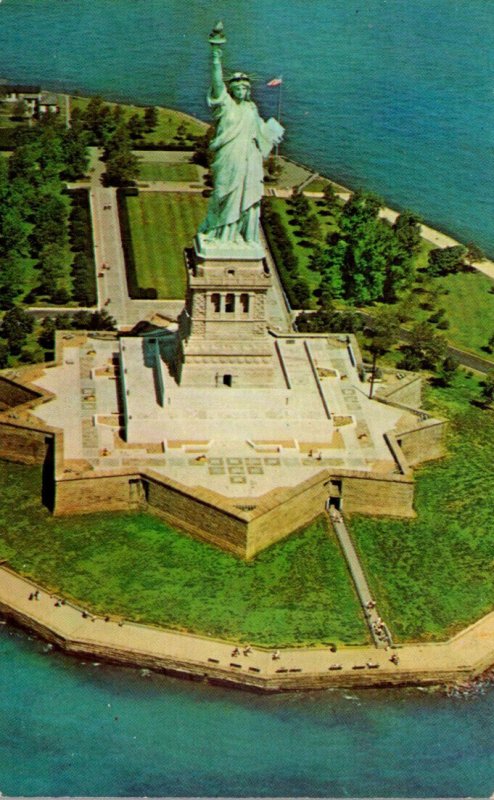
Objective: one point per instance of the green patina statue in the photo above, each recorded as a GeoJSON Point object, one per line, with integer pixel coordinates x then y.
{"type": "Point", "coordinates": [242, 139]}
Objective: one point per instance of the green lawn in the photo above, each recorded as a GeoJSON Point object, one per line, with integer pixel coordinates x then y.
{"type": "Point", "coordinates": [162, 225]}
{"type": "Point", "coordinates": [469, 307]}
{"type": "Point", "coordinates": [434, 575]}
{"type": "Point", "coordinates": [159, 171]}
{"type": "Point", "coordinates": [137, 567]}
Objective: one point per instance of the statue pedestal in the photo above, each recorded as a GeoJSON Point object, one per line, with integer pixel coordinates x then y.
{"type": "Point", "coordinates": [223, 330]}
{"type": "Point", "coordinates": [214, 250]}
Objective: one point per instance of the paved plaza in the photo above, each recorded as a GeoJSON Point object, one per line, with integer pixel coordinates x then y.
{"type": "Point", "coordinates": [238, 442]}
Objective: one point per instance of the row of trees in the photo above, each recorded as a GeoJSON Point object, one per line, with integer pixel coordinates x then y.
{"type": "Point", "coordinates": [281, 246]}
{"type": "Point", "coordinates": [22, 337]}
{"type": "Point", "coordinates": [34, 208]}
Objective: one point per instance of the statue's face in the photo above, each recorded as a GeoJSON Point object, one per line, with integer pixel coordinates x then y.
{"type": "Point", "coordinates": [239, 90]}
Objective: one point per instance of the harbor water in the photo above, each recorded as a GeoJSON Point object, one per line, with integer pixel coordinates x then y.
{"type": "Point", "coordinates": [395, 96]}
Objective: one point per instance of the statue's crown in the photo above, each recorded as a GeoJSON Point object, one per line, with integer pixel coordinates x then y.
{"type": "Point", "coordinates": [238, 76]}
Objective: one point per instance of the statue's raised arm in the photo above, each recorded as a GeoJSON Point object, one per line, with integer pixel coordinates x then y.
{"type": "Point", "coordinates": [241, 141]}
{"type": "Point", "coordinates": [217, 40]}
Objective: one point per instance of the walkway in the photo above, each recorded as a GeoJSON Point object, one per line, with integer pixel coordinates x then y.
{"type": "Point", "coordinates": [110, 261]}
{"type": "Point", "coordinates": [78, 632]}
{"type": "Point", "coordinates": [378, 629]}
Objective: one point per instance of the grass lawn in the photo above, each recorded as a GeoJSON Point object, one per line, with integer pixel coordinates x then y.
{"type": "Point", "coordinates": [137, 567]}
{"type": "Point", "coordinates": [434, 575]}
{"type": "Point", "coordinates": [469, 307]}
{"type": "Point", "coordinates": [158, 171]}
{"type": "Point", "coordinates": [162, 224]}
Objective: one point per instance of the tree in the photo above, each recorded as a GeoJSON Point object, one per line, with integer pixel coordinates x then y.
{"type": "Point", "coordinates": [136, 127]}
{"type": "Point", "coordinates": [329, 195]}
{"type": "Point", "coordinates": [425, 348]}
{"type": "Point", "coordinates": [4, 354]}
{"type": "Point", "coordinates": [11, 269]}
{"type": "Point", "coordinates": [382, 332]}
{"type": "Point", "coordinates": [122, 169]}
{"type": "Point", "coordinates": [370, 248]}
{"type": "Point", "coordinates": [487, 392]}
{"type": "Point", "coordinates": [446, 260]}
{"type": "Point", "coordinates": [46, 336]}
{"type": "Point", "coordinates": [490, 344]}
{"type": "Point", "coordinates": [122, 166]}
{"type": "Point", "coordinates": [75, 153]}
{"type": "Point", "coordinates": [447, 370]}
{"type": "Point", "coordinates": [150, 118]}
{"type": "Point", "coordinates": [51, 264]}
{"type": "Point", "coordinates": [407, 231]}
{"type": "Point", "coordinates": [311, 227]}
{"type": "Point", "coordinates": [15, 327]}
{"type": "Point", "coordinates": [317, 259]}
{"type": "Point", "coordinates": [474, 253]}
{"type": "Point", "coordinates": [360, 208]}
{"type": "Point", "coordinates": [299, 204]}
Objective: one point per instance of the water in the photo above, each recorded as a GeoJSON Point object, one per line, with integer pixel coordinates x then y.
{"type": "Point", "coordinates": [394, 96]}
{"type": "Point", "coordinates": [391, 95]}
{"type": "Point", "coordinates": [68, 728]}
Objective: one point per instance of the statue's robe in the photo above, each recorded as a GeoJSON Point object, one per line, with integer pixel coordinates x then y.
{"type": "Point", "coordinates": [240, 144]}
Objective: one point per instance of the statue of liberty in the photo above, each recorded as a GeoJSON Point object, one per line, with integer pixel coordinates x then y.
{"type": "Point", "coordinates": [241, 141]}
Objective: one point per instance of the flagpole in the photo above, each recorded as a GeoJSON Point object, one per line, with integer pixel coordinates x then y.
{"type": "Point", "coordinates": [279, 111]}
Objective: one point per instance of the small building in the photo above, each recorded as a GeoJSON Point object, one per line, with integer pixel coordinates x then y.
{"type": "Point", "coordinates": [35, 101]}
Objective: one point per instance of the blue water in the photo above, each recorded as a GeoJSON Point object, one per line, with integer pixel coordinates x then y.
{"type": "Point", "coordinates": [68, 728]}
{"type": "Point", "coordinates": [395, 96]}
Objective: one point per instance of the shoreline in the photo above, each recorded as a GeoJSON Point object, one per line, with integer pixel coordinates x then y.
{"type": "Point", "coordinates": [434, 235]}
{"type": "Point", "coordinates": [201, 658]}
{"type": "Point", "coordinates": [79, 633]}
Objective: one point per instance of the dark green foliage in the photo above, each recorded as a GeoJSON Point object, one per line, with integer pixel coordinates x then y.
{"type": "Point", "coordinates": [81, 236]}
{"type": "Point", "coordinates": [202, 154]}
{"type": "Point", "coordinates": [487, 393]}
{"type": "Point", "coordinates": [284, 256]}
{"type": "Point", "coordinates": [407, 231]}
{"type": "Point", "coordinates": [46, 335]}
{"type": "Point", "coordinates": [446, 260]}
{"type": "Point", "coordinates": [474, 253]}
{"type": "Point", "coordinates": [16, 325]}
{"type": "Point", "coordinates": [93, 321]}
{"type": "Point", "coordinates": [122, 166]}
{"type": "Point", "coordinates": [136, 127]}
{"type": "Point", "coordinates": [150, 118]}
{"type": "Point", "coordinates": [4, 354]}
{"type": "Point", "coordinates": [425, 348]}
{"type": "Point", "coordinates": [327, 320]}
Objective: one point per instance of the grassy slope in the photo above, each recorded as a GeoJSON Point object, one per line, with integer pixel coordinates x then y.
{"type": "Point", "coordinates": [136, 566]}
{"type": "Point", "coordinates": [162, 225]}
{"type": "Point", "coordinates": [434, 575]}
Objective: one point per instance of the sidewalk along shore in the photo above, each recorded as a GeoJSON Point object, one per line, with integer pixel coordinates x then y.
{"type": "Point", "coordinates": [78, 632]}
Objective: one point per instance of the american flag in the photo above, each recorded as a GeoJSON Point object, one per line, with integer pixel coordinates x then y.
{"type": "Point", "coordinates": [275, 82]}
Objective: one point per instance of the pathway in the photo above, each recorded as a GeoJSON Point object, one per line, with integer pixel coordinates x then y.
{"type": "Point", "coordinates": [110, 261]}
{"type": "Point", "coordinates": [79, 632]}
{"type": "Point", "coordinates": [378, 629]}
